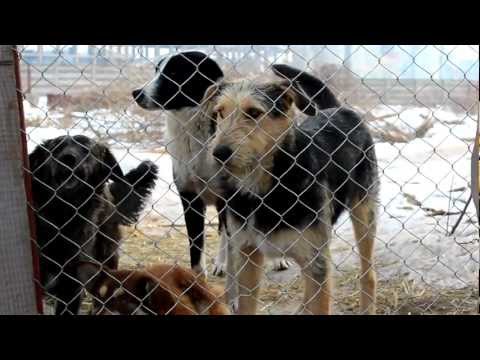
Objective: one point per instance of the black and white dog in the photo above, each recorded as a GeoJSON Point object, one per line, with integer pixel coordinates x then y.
{"type": "Point", "coordinates": [79, 213]}
{"type": "Point", "coordinates": [179, 86]}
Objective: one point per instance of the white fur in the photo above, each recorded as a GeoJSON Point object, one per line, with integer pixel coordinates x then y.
{"type": "Point", "coordinates": [187, 143]}
{"type": "Point", "coordinates": [220, 264]}
{"type": "Point", "coordinates": [188, 136]}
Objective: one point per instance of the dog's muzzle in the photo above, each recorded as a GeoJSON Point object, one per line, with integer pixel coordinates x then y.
{"type": "Point", "coordinates": [137, 93]}
{"type": "Point", "coordinates": [222, 153]}
{"type": "Point", "coordinates": [141, 99]}
{"type": "Point", "coordinates": [138, 96]}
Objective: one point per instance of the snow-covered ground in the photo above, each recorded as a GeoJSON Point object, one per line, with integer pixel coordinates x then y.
{"type": "Point", "coordinates": [420, 175]}
{"type": "Point", "coordinates": [415, 177]}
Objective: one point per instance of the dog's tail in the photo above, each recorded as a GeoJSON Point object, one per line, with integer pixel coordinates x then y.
{"type": "Point", "coordinates": [131, 193]}
{"type": "Point", "coordinates": [314, 88]}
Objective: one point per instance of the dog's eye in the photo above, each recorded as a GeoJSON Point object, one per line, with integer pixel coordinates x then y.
{"type": "Point", "coordinates": [254, 113]}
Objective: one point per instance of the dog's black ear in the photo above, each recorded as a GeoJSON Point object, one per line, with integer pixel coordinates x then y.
{"type": "Point", "coordinates": [309, 92]}
{"type": "Point", "coordinates": [110, 167]}
{"type": "Point", "coordinates": [294, 94]}
{"type": "Point", "coordinates": [35, 158]}
{"type": "Point", "coordinates": [39, 155]}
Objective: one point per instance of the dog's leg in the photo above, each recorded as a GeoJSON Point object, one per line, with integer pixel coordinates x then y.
{"type": "Point", "coordinates": [251, 266]}
{"type": "Point", "coordinates": [363, 216]}
{"type": "Point", "coordinates": [68, 296]}
{"type": "Point", "coordinates": [220, 264]}
{"type": "Point", "coordinates": [107, 246]}
{"type": "Point", "coordinates": [194, 212]}
{"type": "Point", "coordinates": [318, 286]}
{"type": "Point", "coordinates": [311, 252]}
{"type": "Point", "coordinates": [231, 282]}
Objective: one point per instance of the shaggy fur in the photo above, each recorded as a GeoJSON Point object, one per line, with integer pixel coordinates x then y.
{"type": "Point", "coordinates": [286, 184]}
{"type": "Point", "coordinates": [78, 213]}
{"type": "Point", "coordinates": [180, 86]}
{"type": "Point", "coordinates": [157, 290]}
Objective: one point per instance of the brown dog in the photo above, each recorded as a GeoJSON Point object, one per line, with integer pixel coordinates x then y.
{"type": "Point", "coordinates": [158, 290]}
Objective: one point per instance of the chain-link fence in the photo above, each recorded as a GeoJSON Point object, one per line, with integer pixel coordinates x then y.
{"type": "Point", "coordinates": [291, 145]}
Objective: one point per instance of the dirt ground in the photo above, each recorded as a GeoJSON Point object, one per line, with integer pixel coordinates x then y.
{"type": "Point", "coordinates": [421, 269]}
{"type": "Point", "coordinates": [156, 241]}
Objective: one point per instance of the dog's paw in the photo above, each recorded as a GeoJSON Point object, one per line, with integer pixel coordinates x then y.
{"type": "Point", "coordinates": [233, 306]}
{"type": "Point", "coordinates": [219, 268]}
{"type": "Point", "coordinates": [281, 264]}
{"type": "Point", "coordinates": [148, 169]}
{"type": "Point", "coordinates": [201, 272]}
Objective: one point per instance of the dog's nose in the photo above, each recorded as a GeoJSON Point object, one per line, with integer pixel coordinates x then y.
{"type": "Point", "coordinates": [222, 152]}
{"type": "Point", "coordinates": [68, 160]}
{"type": "Point", "coordinates": [136, 93]}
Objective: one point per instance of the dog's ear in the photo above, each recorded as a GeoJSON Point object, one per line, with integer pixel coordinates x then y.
{"type": "Point", "coordinates": [92, 276]}
{"type": "Point", "coordinates": [309, 92]}
{"type": "Point", "coordinates": [39, 155]}
{"type": "Point", "coordinates": [212, 92]}
{"type": "Point", "coordinates": [284, 95]}
{"type": "Point", "coordinates": [294, 94]}
{"type": "Point", "coordinates": [110, 167]}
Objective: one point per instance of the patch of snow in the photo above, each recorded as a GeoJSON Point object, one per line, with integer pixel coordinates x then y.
{"type": "Point", "coordinates": [409, 241]}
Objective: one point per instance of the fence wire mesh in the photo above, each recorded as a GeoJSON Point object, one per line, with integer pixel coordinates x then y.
{"type": "Point", "coordinates": [160, 138]}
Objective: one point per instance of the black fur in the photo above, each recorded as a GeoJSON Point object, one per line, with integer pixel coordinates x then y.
{"type": "Point", "coordinates": [194, 212]}
{"type": "Point", "coordinates": [321, 97]}
{"type": "Point", "coordinates": [309, 93]}
{"type": "Point", "coordinates": [78, 213]}
{"type": "Point", "coordinates": [334, 150]}
{"type": "Point", "coordinates": [182, 82]}
{"type": "Point", "coordinates": [130, 198]}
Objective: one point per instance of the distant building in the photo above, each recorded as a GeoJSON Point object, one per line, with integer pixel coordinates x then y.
{"type": "Point", "coordinates": [373, 61]}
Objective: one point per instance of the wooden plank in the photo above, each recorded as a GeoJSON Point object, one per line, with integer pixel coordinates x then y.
{"type": "Point", "coordinates": [17, 295]}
